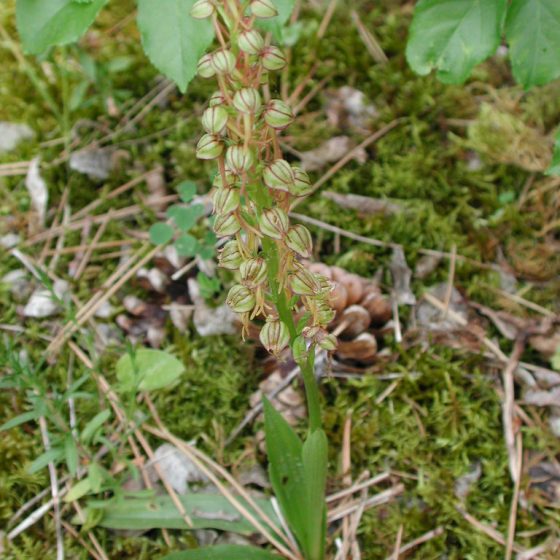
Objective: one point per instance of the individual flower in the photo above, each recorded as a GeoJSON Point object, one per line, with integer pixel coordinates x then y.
{"type": "Point", "coordinates": [278, 115]}
{"type": "Point", "coordinates": [217, 98]}
{"type": "Point", "coordinates": [229, 256]}
{"type": "Point", "coordinates": [202, 9]}
{"type": "Point", "coordinates": [223, 61]}
{"type": "Point", "coordinates": [226, 200]}
{"type": "Point", "coordinates": [302, 185]}
{"type": "Point", "coordinates": [279, 175]}
{"type": "Point", "coordinates": [241, 299]}
{"type": "Point", "coordinates": [304, 283]}
{"type": "Point", "coordinates": [247, 101]}
{"type": "Point", "coordinates": [253, 272]}
{"type": "Point", "coordinates": [263, 9]}
{"type": "Point", "coordinates": [209, 147]}
{"type": "Point", "coordinates": [299, 240]}
{"type": "Point", "coordinates": [274, 223]}
{"type": "Point", "coordinates": [239, 158]}
{"type": "Point", "coordinates": [275, 336]}
{"type": "Point", "coordinates": [226, 225]}
{"type": "Point", "coordinates": [273, 59]}
{"type": "Point", "coordinates": [214, 120]}
{"type": "Point", "coordinates": [205, 68]}
{"type": "Point", "coordinates": [250, 41]}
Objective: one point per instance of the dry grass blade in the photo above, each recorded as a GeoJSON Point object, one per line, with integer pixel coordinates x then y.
{"type": "Point", "coordinates": [417, 542]}
{"type": "Point", "coordinates": [515, 499]}
{"type": "Point", "coordinates": [369, 40]}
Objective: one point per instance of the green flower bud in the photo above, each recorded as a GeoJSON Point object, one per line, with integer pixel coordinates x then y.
{"type": "Point", "coordinates": [226, 200]}
{"type": "Point", "coordinates": [217, 98]}
{"type": "Point", "coordinates": [205, 68]}
{"type": "Point", "coordinates": [263, 9]}
{"type": "Point", "coordinates": [275, 336]}
{"type": "Point", "coordinates": [279, 176]}
{"type": "Point", "coordinates": [278, 115]}
{"type": "Point", "coordinates": [253, 272]}
{"type": "Point", "coordinates": [299, 240]}
{"type": "Point", "coordinates": [202, 9]}
{"type": "Point", "coordinates": [226, 225]}
{"type": "Point", "coordinates": [214, 120]}
{"type": "Point", "coordinates": [304, 283]}
{"type": "Point", "coordinates": [324, 314]}
{"type": "Point", "coordinates": [209, 147]}
{"type": "Point", "coordinates": [230, 257]}
{"type": "Point", "coordinates": [239, 158]}
{"type": "Point", "coordinates": [274, 223]}
{"type": "Point", "coordinates": [223, 61]}
{"type": "Point", "coordinates": [302, 185]}
{"type": "Point", "coordinates": [273, 59]}
{"type": "Point", "coordinates": [327, 341]}
{"type": "Point", "coordinates": [241, 299]}
{"type": "Point", "coordinates": [247, 101]}
{"type": "Point", "coordinates": [251, 42]}
{"type": "Point", "coordinates": [231, 180]}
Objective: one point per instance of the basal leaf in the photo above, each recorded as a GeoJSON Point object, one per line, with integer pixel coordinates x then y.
{"type": "Point", "coordinates": [223, 552]}
{"type": "Point", "coordinates": [79, 490]}
{"type": "Point", "coordinates": [50, 456]}
{"type": "Point", "coordinates": [94, 424]}
{"type": "Point", "coordinates": [286, 470]}
{"type": "Point", "coordinates": [315, 452]}
{"type": "Point", "coordinates": [172, 39]}
{"type": "Point", "coordinates": [533, 34]}
{"type": "Point", "coordinates": [148, 369]}
{"type": "Point", "coordinates": [554, 168]}
{"type": "Point", "coordinates": [71, 454]}
{"type": "Point", "coordinates": [44, 23]}
{"type": "Point", "coordinates": [207, 511]}
{"type": "Point", "coordinates": [20, 419]}
{"type": "Point", "coordinates": [453, 36]}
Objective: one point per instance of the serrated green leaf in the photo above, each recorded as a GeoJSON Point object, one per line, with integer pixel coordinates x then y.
{"type": "Point", "coordinates": [71, 455]}
{"type": "Point", "coordinates": [453, 36]}
{"type": "Point", "coordinates": [186, 245]}
{"type": "Point", "coordinates": [533, 34]}
{"type": "Point", "coordinates": [161, 233]}
{"type": "Point", "coordinates": [275, 24]}
{"type": "Point", "coordinates": [554, 168]}
{"type": "Point", "coordinates": [94, 424]}
{"type": "Point", "coordinates": [20, 419]}
{"type": "Point", "coordinates": [172, 39]}
{"type": "Point", "coordinates": [44, 23]}
{"type": "Point", "coordinates": [184, 217]}
{"type": "Point", "coordinates": [148, 369]}
{"type": "Point", "coordinates": [79, 490]}
{"type": "Point", "coordinates": [186, 190]}
{"type": "Point", "coordinates": [223, 552]}
{"type": "Point", "coordinates": [50, 456]}
{"type": "Point", "coordinates": [207, 511]}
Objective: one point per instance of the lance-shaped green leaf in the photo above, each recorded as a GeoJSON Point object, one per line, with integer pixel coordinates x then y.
{"type": "Point", "coordinates": [453, 36]}
{"type": "Point", "coordinates": [207, 511]}
{"type": "Point", "coordinates": [44, 23]}
{"type": "Point", "coordinates": [172, 38]}
{"type": "Point", "coordinates": [533, 34]}
{"type": "Point", "coordinates": [223, 552]}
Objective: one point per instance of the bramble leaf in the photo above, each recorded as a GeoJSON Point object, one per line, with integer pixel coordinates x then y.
{"type": "Point", "coordinates": [453, 36]}
{"type": "Point", "coordinates": [44, 23]}
{"type": "Point", "coordinates": [533, 34]}
{"type": "Point", "coordinates": [172, 39]}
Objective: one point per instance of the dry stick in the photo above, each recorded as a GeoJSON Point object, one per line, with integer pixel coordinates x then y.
{"type": "Point", "coordinates": [420, 540]}
{"type": "Point", "coordinates": [508, 409]}
{"type": "Point", "coordinates": [346, 478]}
{"type": "Point", "coordinates": [54, 490]}
{"type": "Point", "coordinates": [522, 301]}
{"type": "Point", "coordinates": [91, 536]}
{"type": "Point", "coordinates": [60, 240]}
{"type": "Point", "coordinates": [100, 231]}
{"type": "Point", "coordinates": [298, 90]}
{"type": "Point", "coordinates": [113, 194]}
{"type": "Point", "coordinates": [451, 280]}
{"type": "Point", "coordinates": [358, 487]}
{"type": "Point", "coordinates": [376, 500]}
{"type": "Point", "coordinates": [397, 550]}
{"type": "Point", "coordinates": [198, 459]}
{"type": "Point", "coordinates": [312, 93]}
{"type": "Point", "coordinates": [326, 19]}
{"type": "Point", "coordinates": [369, 40]}
{"type": "Point", "coordinates": [77, 536]}
{"type": "Point", "coordinates": [59, 210]}
{"type": "Point", "coordinates": [96, 302]}
{"type": "Point", "coordinates": [515, 500]}
{"type": "Point", "coordinates": [94, 246]}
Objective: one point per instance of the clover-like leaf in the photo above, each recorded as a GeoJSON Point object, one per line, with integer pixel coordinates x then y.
{"type": "Point", "coordinates": [161, 233]}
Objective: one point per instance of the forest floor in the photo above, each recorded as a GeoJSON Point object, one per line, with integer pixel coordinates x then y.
{"type": "Point", "coordinates": [460, 400]}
